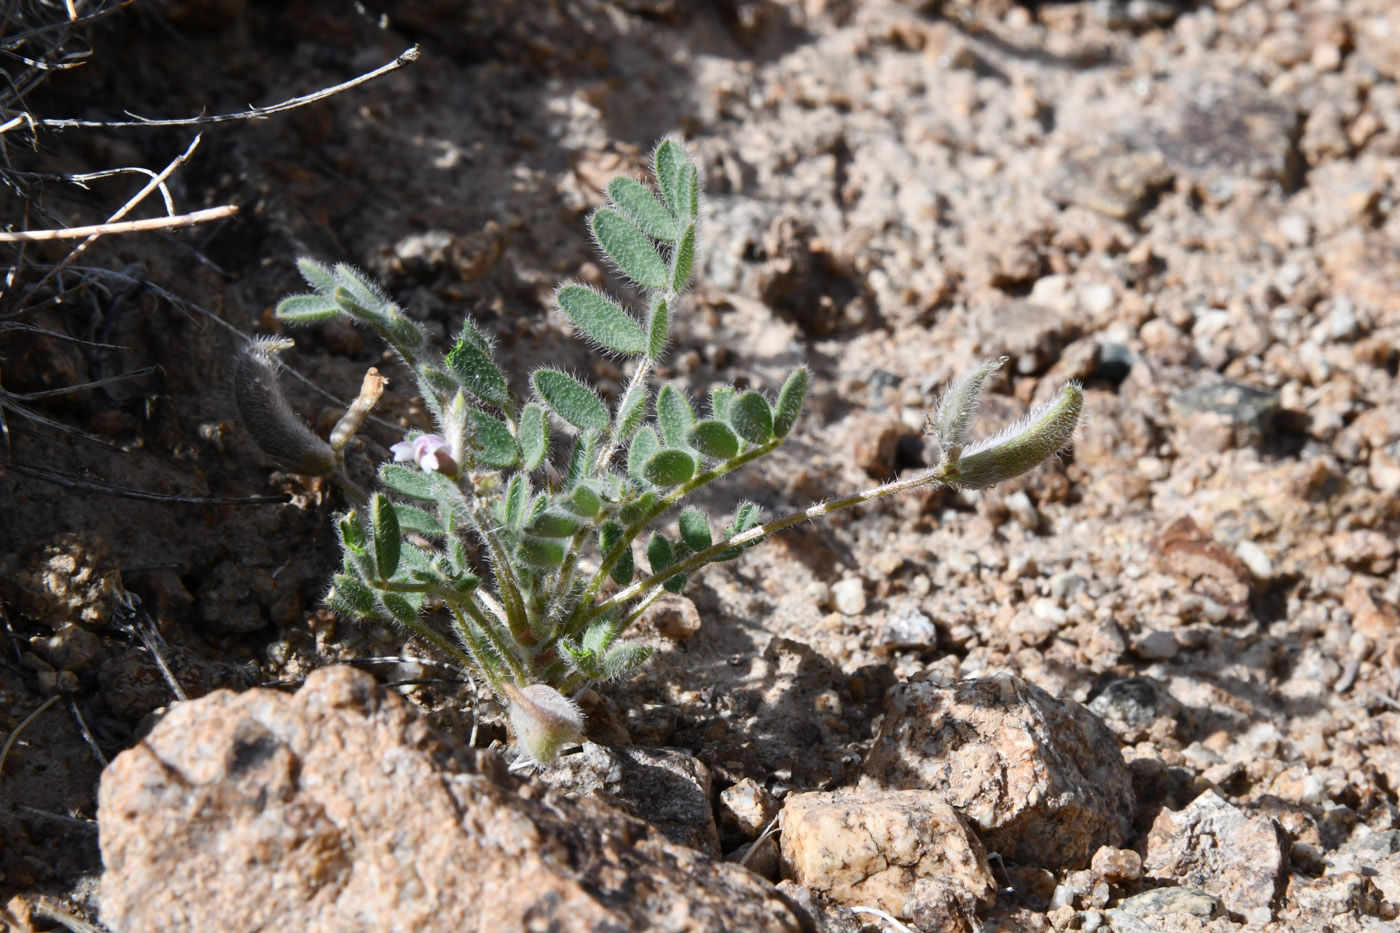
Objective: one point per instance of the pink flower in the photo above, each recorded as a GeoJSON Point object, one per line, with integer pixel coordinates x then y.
{"type": "Point", "coordinates": [429, 451]}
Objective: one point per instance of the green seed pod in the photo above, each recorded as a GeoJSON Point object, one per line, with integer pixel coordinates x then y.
{"type": "Point", "coordinates": [1021, 447]}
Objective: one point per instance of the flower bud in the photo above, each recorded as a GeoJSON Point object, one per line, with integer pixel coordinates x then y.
{"type": "Point", "coordinates": [544, 721]}
{"type": "Point", "coordinates": [1023, 446]}
{"type": "Point", "coordinates": [263, 409]}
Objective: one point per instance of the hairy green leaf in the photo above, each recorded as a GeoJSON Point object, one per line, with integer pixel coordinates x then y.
{"type": "Point", "coordinates": [403, 333]}
{"type": "Point", "coordinates": [431, 379]}
{"type": "Point", "coordinates": [790, 398]}
{"type": "Point", "coordinates": [688, 192]}
{"type": "Point", "coordinates": [318, 276]}
{"type": "Point", "coordinates": [348, 596]}
{"type": "Point", "coordinates": [667, 162]}
{"type": "Point", "coordinates": [751, 417]}
{"type": "Point", "coordinates": [307, 309]}
{"type": "Point", "coordinates": [683, 260]}
{"type": "Point", "coordinates": [477, 373]}
{"type": "Point", "coordinates": [747, 516]}
{"type": "Point", "coordinates": [354, 306]}
{"type": "Point", "coordinates": [554, 522]}
{"type": "Point", "coordinates": [695, 529]}
{"type": "Point", "coordinates": [584, 501]}
{"type": "Point", "coordinates": [713, 439]}
{"type": "Point", "coordinates": [581, 459]}
{"type": "Point", "coordinates": [495, 445]}
{"type": "Point", "coordinates": [658, 329]}
{"type": "Point", "coordinates": [634, 510]}
{"type": "Point", "coordinates": [419, 522]}
{"type": "Point", "coordinates": [669, 467]}
{"type": "Point", "coordinates": [659, 554]}
{"type": "Point", "coordinates": [362, 287]}
{"type": "Point", "coordinates": [677, 583]}
{"type": "Point", "coordinates": [608, 535]}
{"type": "Point", "coordinates": [429, 487]}
{"type": "Point", "coordinates": [601, 318]}
{"type": "Point", "coordinates": [631, 409]}
{"type": "Point", "coordinates": [402, 607]}
{"type": "Point", "coordinates": [540, 553]}
{"type": "Point", "coordinates": [475, 336]}
{"type": "Point", "coordinates": [674, 416]}
{"type": "Point", "coordinates": [720, 399]}
{"type": "Point", "coordinates": [517, 494]}
{"type": "Point", "coordinates": [352, 536]}
{"type": "Point", "coordinates": [642, 208]}
{"type": "Point", "coordinates": [534, 435]}
{"type": "Point", "coordinates": [644, 445]}
{"type": "Point", "coordinates": [384, 529]}
{"type": "Point", "coordinates": [629, 248]}
{"type": "Point", "coordinates": [570, 399]}
{"type": "Point", "coordinates": [622, 660]}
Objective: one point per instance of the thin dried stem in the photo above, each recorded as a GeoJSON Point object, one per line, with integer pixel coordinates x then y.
{"type": "Point", "coordinates": [253, 113]}
{"type": "Point", "coordinates": [131, 226]}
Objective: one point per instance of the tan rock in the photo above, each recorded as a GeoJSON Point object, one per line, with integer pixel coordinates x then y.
{"type": "Point", "coordinates": [1241, 859]}
{"type": "Point", "coordinates": [1117, 866]}
{"type": "Point", "coordinates": [1042, 780]}
{"type": "Point", "coordinates": [338, 809]}
{"type": "Point", "coordinates": [906, 852]}
{"type": "Point", "coordinates": [745, 809]}
{"type": "Point", "coordinates": [70, 578]}
{"type": "Point", "coordinates": [1368, 551]}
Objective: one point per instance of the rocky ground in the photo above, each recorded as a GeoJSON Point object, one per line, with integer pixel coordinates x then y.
{"type": "Point", "coordinates": [1155, 686]}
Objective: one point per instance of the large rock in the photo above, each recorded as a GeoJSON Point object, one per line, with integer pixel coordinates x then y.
{"type": "Point", "coordinates": [337, 809]}
{"type": "Point", "coordinates": [1040, 779]}
{"type": "Point", "coordinates": [1243, 860]}
{"type": "Point", "coordinates": [906, 852]}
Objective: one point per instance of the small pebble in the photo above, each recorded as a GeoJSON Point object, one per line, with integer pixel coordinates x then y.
{"type": "Point", "coordinates": [849, 596]}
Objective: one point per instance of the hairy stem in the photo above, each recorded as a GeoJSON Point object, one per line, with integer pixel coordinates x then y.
{"type": "Point", "coordinates": [931, 477]}
{"type": "Point", "coordinates": [585, 611]}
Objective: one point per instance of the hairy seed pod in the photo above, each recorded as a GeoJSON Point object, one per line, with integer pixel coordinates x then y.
{"type": "Point", "coordinates": [263, 409]}
{"type": "Point", "coordinates": [545, 721]}
{"type": "Point", "coordinates": [1023, 446]}
{"type": "Point", "coordinates": [958, 407]}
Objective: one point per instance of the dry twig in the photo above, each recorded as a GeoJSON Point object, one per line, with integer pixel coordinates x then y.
{"type": "Point", "coordinates": [131, 226]}
{"type": "Point", "coordinates": [252, 113]}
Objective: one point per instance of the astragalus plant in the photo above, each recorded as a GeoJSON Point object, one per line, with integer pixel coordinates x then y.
{"type": "Point", "coordinates": [518, 537]}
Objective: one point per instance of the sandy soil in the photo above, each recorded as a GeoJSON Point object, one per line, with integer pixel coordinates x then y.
{"type": "Point", "coordinates": [1190, 209]}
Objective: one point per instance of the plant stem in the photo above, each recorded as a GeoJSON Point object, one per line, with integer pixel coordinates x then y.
{"type": "Point", "coordinates": [584, 611]}
{"type": "Point", "coordinates": [932, 477]}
